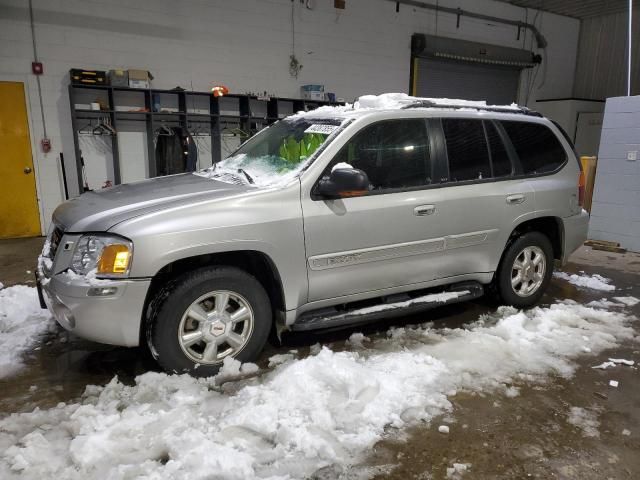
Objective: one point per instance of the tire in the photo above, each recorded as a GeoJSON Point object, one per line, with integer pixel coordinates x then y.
{"type": "Point", "coordinates": [526, 290]}
{"type": "Point", "coordinates": [186, 321]}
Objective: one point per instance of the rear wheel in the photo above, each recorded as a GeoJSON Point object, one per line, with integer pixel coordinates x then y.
{"type": "Point", "coordinates": [525, 270]}
{"type": "Point", "coordinates": [207, 315]}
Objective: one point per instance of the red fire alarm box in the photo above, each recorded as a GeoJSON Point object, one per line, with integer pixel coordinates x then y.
{"type": "Point", "coordinates": [45, 143]}
{"type": "Point", "coordinates": [36, 68]}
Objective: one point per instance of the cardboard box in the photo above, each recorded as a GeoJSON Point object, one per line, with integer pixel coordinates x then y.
{"type": "Point", "coordinates": [118, 78]}
{"type": "Point", "coordinates": [140, 78]}
{"type": "Point", "coordinates": [310, 95]}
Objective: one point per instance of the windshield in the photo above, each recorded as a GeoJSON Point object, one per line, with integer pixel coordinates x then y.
{"type": "Point", "coordinates": [276, 154]}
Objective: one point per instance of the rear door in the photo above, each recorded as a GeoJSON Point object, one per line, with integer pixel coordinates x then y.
{"type": "Point", "coordinates": [541, 157]}
{"type": "Point", "coordinates": [480, 200]}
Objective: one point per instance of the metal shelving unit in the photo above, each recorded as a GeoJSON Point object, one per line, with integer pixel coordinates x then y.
{"type": "Point", "coordinates": [247, 117]}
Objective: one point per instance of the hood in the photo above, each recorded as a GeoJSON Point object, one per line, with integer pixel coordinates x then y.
{"type": "Point", "coordinates": [100, 210]}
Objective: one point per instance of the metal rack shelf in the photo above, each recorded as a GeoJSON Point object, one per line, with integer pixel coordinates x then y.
{"type": "Point", "coordinates": [248, 120]}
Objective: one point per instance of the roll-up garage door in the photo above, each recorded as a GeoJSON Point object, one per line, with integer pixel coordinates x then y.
{"type": "Point", "coordinates": [469, 81]}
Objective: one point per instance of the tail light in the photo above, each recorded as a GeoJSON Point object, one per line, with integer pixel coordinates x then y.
{"type": "Point", "coordinates": [581, 185]}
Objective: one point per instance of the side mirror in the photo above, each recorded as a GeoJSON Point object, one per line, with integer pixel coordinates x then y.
{"type": "Point", "coordinates": [343, 182]}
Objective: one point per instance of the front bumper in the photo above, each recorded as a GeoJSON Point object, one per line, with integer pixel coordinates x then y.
{"type": "Point", "coordinates": [113, 319]}
{"type": "Point", "coordinates": [575, 233]}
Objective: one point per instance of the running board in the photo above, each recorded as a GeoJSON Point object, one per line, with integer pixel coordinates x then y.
{"type": "Point", "coordinates": [391, 306]}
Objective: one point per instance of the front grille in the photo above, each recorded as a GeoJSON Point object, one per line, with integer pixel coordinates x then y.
{"type": "Point", "coordinates": [54, 242]}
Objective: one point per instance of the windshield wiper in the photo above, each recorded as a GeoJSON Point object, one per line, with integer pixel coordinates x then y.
{"type": "Point", "coordinates": [242, 171]}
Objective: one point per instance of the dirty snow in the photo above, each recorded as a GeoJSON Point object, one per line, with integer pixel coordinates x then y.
{"type": "Point", "coordinates": [629, 301]}
{"type": "Point", "coordinates": [585, 420]}
{"type": "Point", "coordinates": [595, 282]}
{"type": "Point", "coordinates": [326, 409]}
{"type": "Point", "coordinates": [457, 470]}
{"type": "Point", "coordinates": [357, 340]}
{"type": "Point", "coordinates": [22, 322]}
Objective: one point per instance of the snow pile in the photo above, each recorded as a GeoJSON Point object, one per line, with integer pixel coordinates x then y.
{"type": "Point", "coordinates": [604, 303]}
{"type": "Point", "coordinates": [392, 101]}
{"type": "Point", "coordinates": [263, 171]}
{"type": "Point", "coordinates": [341, 165]}
{"type": "Point", "coordinates": [83, 279]}
{"type": "Point", "coordinates": [22, 321]}
{"type": "Point", "coordinates": [326, 409]}
{"type": "Point", "coordinates": [585, 420]}
{"type": "Point", "coordinates": [595, 282]}
{"type": "Point", "coordinates": [629, 301]}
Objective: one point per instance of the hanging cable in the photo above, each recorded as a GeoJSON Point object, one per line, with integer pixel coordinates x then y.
{"type": "Point", "coordinates": [35, 59]}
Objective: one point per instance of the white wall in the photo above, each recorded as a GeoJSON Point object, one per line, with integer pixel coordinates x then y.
{"type": "Point", "coordinates": [244, 44]}
{"type": "Point", "coordinates": [565, 112]}
{"type": "Point", "coordinates": [615, 213]}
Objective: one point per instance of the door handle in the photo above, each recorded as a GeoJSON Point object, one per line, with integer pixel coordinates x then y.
{"type": "Point", "coordinates": [424, 210]}
{"type": "Point", "coordinates": [515, 199]}
{"type": "Point", "coordinates": [27, 170]}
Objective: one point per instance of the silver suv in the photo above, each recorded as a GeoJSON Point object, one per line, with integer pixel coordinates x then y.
{"type": "Point", "coordinates": [327, 218]}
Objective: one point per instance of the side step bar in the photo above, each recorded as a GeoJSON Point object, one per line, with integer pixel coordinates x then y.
{"type": "Point", "coordinates": [392, 306]}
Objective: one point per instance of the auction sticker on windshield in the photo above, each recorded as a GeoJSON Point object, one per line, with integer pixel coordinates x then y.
{"type": "Point", "coordinates": [321, 128]}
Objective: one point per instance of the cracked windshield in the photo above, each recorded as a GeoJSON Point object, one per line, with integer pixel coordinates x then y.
{"type": "Point", "coordinates": [276, 154]}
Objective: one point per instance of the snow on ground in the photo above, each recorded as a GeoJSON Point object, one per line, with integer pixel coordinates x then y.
{"type": "Point", "coordinates": [585, 420]}
{"type": "Point", "coordinates": [595, 282]}
{"type": "Point", "coordinates": [326, 409]}
{"type": "Point", "coordinates": [22, 322]}
{"type": "Point", "coordinates": [604, 303]}
{"type": "Point", "coordinates": [629, 301]}
{"type": "Point", "coordinates": [614, 362]}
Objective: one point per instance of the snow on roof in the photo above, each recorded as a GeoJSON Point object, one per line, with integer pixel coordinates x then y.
{"type": "Point", "coordinates": [397, 101]}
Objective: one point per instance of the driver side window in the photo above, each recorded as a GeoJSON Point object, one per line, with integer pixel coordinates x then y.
{"type": "Point", "coordinates": [393, 153]}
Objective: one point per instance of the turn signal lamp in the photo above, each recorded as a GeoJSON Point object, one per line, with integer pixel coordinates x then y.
{"type": "Point", "coordinates": [115, 259]}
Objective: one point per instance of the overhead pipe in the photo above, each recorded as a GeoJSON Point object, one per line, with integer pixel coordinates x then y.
{"type": "Point", "coordinates": [540, 40]}
{"type": "Point", "coordinates": [629, 53]}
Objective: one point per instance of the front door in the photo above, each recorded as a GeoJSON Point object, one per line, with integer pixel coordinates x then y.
{"type": "Point", "coordinates": [19, 215]}
{"type": "Point", "coordinates": [388, 238]}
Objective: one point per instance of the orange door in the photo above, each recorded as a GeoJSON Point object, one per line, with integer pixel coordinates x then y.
{"type": "Point", "coordinates": [19, 216]}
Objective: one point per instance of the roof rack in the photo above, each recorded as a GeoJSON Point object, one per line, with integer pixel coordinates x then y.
{"type": "Point", "coordinates": [431, 104]}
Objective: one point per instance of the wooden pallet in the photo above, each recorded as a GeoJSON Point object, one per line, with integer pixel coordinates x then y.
{"type": "Point", "coordinates": [603, 245]}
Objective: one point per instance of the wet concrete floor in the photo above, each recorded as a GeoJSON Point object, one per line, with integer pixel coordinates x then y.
{"type": "Point", "coordinates": [501, 438]}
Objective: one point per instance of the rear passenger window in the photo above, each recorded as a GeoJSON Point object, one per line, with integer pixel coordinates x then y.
{"type": "Point", "coordinates": [538, 149]}
{"type": "Point", "coordinates": [466, 149]}
{"type": "Point", "coordinates": [393, 153]}
{"type": "Point", "coordinates": [500, 160]}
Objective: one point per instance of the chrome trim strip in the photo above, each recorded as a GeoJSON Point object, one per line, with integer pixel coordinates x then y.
{"type": "Point", "coordinates": [398, 250]}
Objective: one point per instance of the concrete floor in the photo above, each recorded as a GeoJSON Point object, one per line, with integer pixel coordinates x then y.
{"type": "Point", "coordinates": [503, 438]}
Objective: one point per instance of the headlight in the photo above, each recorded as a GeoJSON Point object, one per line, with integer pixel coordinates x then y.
{"type": "Point", "coordinates": [110, 256]}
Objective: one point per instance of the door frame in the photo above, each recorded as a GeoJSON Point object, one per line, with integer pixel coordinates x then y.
{"type": "Point", "coordinates": [24, 79]}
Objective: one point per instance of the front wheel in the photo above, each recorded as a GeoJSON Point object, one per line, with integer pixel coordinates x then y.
{"type": "Point", "coordinates": [525, 270]}
{"type": "Point", "coordinates": [207, 315]}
